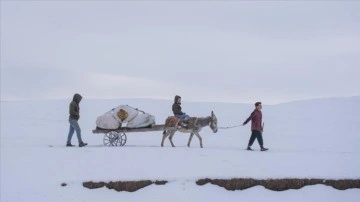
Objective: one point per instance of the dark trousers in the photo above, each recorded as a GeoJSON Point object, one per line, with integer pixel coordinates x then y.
{"type": "Point", "coordinates": [256, 135]}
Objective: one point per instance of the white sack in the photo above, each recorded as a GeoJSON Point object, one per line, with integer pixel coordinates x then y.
{"type": "Point", "coordinates": [132, 113]}
{"type": "Point", "coordinates": [141, 120]}
{"type": "Point", "coordinates": [107, 121]}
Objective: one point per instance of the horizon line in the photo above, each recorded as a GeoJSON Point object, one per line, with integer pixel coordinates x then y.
{"type": "Point", "coordinates": [163, 99]}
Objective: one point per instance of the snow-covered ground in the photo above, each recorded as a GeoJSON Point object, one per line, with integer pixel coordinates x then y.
{"type": "Point", "coordinates": [307, 139]}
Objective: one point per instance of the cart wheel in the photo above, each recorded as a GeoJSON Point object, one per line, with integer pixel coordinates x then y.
{"type": "Point", "coordinates": [114, 138]}
{"type": "Point", "coordinates": [122, 139]}
{"type": "Point", "coordinates": [111, 139]}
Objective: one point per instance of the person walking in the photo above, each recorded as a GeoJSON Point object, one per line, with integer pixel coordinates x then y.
{"type": "Point", "coordinates": [74, 111]}
{"type": "Point", "coordinates": [256, 127]}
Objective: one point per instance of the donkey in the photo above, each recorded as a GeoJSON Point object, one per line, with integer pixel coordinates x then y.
{"type": "Point", "coordinates": [194, 127]}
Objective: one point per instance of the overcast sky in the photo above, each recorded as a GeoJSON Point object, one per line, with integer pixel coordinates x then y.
{"type": "Point", "coordinates": [235, 51]}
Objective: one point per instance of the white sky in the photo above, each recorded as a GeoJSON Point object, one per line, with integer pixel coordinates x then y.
{"type": "Point", "coordinates": [234, 51]}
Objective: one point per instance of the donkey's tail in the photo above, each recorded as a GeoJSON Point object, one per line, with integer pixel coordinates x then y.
{"type": "Point", "coordinates": [164, 132]}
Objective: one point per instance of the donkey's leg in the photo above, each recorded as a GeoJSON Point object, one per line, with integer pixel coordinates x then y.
{"type": "Point", "coordinates": [172, 133]}
{"type": "Point", "coordinates": [190, 138]}
{"type": "Point", "coordinates": [165, 134]}
{"type": "Point", "coordinates": [200, 139]}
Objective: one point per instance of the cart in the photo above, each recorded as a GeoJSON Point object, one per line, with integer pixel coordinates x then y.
{"type": "Point", "coordinates": [117, 137]}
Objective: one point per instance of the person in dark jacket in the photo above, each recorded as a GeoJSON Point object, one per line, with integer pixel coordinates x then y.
{"type": "Point", "coordinates": [256, 127]}
{"type": "Point", "coordinates": [74, 111]}
{"type": "Point", "coordinates": [176, 108]}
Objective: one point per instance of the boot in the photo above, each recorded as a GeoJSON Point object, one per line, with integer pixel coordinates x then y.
{"type": "Point", "coordinates": [69, 145]}
{"type": "Point", "coordinates": [249, 148]}
{"type": "Point", "coordinates": [82, 144]}
{"type": "Point", "coordinates": [264, 149]}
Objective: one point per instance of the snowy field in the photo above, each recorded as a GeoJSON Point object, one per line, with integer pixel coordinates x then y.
{"type": "Point", "coordinates": [306, 139]}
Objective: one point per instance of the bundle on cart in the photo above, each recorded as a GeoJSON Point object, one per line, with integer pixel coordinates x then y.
{"type": "Point", "coordinates": [133, 117]}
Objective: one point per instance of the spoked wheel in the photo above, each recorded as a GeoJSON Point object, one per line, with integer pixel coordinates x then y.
{"type": "Point", "coordinates": [123, 139]}
{"type": "Point", "coordinates": [115, 139]}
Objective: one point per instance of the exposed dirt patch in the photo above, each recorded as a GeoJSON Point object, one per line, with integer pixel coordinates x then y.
{"type": "Point", "coordinates": [93, 185]}
{"type": "Point", "coordinates": [162, 182]}
{"type": "Point", "coordinates": [203, 181]}
{"type": "Point", "coordinates": [233, 184]}
{"type": "Point", "coordinates": [129, 186]}
{"type": "Point", "coordinates": [279, 184]}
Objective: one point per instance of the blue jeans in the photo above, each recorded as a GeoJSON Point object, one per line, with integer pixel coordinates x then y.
{"type": "Point", "coordinates": [74, 126]}
{"type": "Point", "coordinates": [183, 116]}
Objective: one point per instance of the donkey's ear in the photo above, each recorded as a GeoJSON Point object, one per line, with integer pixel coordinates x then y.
{"type": "Point", "coordinates": [212, 113]}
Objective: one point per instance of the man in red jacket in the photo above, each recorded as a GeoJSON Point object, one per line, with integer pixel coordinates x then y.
{"type": "Point", "coordinates": [256, 127]}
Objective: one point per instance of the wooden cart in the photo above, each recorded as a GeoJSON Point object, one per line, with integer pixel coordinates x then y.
{"type": "Point", "coordinates": [117, 137]}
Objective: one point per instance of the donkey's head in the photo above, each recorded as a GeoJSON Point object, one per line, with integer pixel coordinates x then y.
{"type": "Point", "coordinates": [213, 122]}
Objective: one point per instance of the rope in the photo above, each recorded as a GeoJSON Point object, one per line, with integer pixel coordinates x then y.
{"type": "Point", "coordinates": [228, 127]}
{"type": "Point", "coordinates": [140, 110]}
